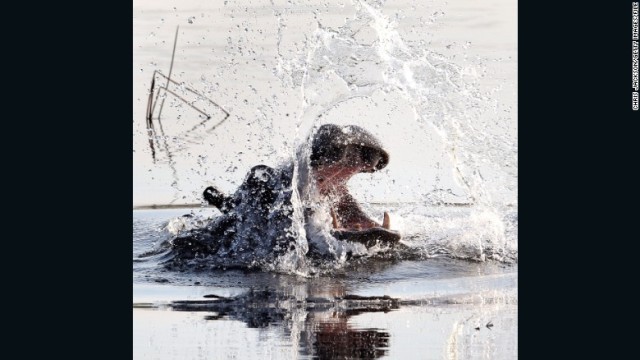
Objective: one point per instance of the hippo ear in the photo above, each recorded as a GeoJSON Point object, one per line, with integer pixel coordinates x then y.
{"type": "Point", "coordinates": [259, 175]}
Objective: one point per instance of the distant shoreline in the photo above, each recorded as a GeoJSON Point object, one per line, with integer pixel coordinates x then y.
{"type": "Point", "coordinates": [169, 206]}
{"type": "Point", "coordinates": [198, 205]}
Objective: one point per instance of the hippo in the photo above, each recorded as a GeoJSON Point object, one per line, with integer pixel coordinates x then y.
{"type": "Point", "coordinates": [260, 222]}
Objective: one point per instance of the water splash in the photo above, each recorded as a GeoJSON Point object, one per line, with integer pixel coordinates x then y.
{"type": "Point", "coordinates": [367, 56]}
{"type": "Point", "coordinates": [338, 65]}
{"type": "Point", "coordinates": [336, 70]}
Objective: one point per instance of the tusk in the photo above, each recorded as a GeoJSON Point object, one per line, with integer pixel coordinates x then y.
{"type": "Point", "coordinates": [335, 219]}
{"type": "Point", "coordinates": [385, 221]}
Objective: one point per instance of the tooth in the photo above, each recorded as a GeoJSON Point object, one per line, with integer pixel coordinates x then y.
{"type": "Point", "coordinates": [335, 219]}
{"type": "Point", "coordinates": [385, 221]}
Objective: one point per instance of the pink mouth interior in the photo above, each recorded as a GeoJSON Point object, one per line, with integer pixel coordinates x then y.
{"type": "Point", "coordinates": [346, 213]}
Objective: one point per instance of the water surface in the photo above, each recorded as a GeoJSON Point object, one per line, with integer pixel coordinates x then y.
{"type": "Point", "coordinates": [431, 308]}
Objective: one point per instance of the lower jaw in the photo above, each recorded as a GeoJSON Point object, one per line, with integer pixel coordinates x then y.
{"type": "Point", "coordinates": [369, 237]}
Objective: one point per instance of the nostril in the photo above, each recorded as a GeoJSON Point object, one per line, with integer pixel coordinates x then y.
{"type": "Point", "coordinates": [374, 159]}
{"type": "Point", "coordinates": [374, 164]}
{"type": "Point", "coordinates": [382, 162]}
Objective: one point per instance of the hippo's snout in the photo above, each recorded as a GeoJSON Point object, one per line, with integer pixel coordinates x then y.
{"type": "Point", "coordinates": [373, 159]}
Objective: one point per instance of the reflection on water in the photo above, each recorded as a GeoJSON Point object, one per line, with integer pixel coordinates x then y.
{"type": "Point", "coordinates": [326, 332]}
{"type": "Point", "coordinates": [337, 340]}
{"type": "Point", "coordinates": [249, 328]}
{"type": "Point", "coordinates": [281, 316]}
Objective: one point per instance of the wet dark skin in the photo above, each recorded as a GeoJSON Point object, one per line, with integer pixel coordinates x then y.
{"type": "Point", "coordinates": [337, 154]}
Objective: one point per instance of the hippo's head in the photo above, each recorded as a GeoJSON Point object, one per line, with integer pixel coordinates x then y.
{"type": "Point", "coordinates": [337, 154]}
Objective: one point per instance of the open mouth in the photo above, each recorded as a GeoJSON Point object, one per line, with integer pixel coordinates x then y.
{"type": "Point", "coordinates": [363, 229]}
{"type": "Point", "coordinates": [333, 167]}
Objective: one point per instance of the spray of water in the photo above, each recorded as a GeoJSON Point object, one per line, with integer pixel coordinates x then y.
{"type": "Point", "coordinates": [338, 65]}
{"type": "Point", "coordinates": [363, 60]}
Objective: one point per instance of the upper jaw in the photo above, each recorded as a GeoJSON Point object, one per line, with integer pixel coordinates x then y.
{"type": "Point", "coordinates": [340, 164]}
{"type": "Point", "coordinates": [347, 144]}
